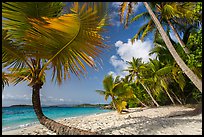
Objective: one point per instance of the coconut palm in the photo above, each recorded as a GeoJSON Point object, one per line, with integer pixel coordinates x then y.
{"type": "Point", "coordinates": [111, 87]}
{"type": "Point", "coordinates": [159, 75]}
{"type": "Point", "coordinates": [169, 14]}
{"type": "Point", "coordinates": [119, 91]}
{"type": "Point", "coordinates": [164, 56]}
{"type": "Point", "coordinates": [134, 69]}
{"type": "Point", "coordinates": [177, 13]}
{"type": "Point", "coordinates": [125, 93]}
{"type": "Point", "coordinates": [131, 86]}
{"type": "Point", "coordinates": [161, 51]}
{"type": "Point", "coordinates": [38, 37]}
{"type": "Point", "coordinates": [194, 78]}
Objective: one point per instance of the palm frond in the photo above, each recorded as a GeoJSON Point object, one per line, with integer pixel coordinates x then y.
{"type": "Point", "coordinates": [138, 16]}
{"type": "Point", "coordinates": [164, 70]}
{"type": "Point", "coordinates": [147, 30]}
{"type": "Point", "coordinates": [178, 77]}
{"type": "Point", "coordinates": [5, 80]}
{"type": "Point", "coordinates": [129, 12]}
{"type": "Point", "coordinates": [108, 83]}
{"type": "Point", "coordinates": [65, 41]}
{"type": "Point", "coordinates": [139, 33]}
{"type": "Point", "coordinates": [13, 54]}
{"type": "Point", "coordinates": [123, 7]}
{"type": "Point", "coordinates": [171, 10]}
{"type": "Point", "coordinates": [101, 92]}
{"type": "Point", "coordinates": [16, 15]}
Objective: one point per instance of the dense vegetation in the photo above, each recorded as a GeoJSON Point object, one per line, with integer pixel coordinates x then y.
{"type": "Point", "coordinates": [161, 81]}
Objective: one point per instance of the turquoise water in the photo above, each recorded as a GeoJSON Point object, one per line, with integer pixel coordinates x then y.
{"type": "Point", "coordinates": [18, 117]}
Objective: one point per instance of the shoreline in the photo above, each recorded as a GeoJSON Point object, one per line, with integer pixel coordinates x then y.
{"type": "Point", "coordinates": [139, 121]}
{"type": "Point", "coordinates": [26, 125]}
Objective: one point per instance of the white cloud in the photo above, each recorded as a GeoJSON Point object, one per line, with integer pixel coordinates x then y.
{"type": "Point", "coordinates": [26, 99]}
{"type": "Point", "coordinates": [115, 18]}
{"type": "Point", "coordinates": [139, 49]}
{"type": "Point", "coordinates": [125, 52]}
{"type": "Point", "coordinates": [119, 65]}
{"type": "Point", "coordinates": [61, 99]}
{"type": "Point", "coordinates": [116, 4]}
{"type": "Point", "coordinates": [16, 97]}
{"type": "Point", "coordinates": [51, 100]}
{"type": "Point", "coordinates": [11, 99]}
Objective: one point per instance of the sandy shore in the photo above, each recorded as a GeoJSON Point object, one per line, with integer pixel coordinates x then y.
{"type": "Point", "coordinates": [140, 121]}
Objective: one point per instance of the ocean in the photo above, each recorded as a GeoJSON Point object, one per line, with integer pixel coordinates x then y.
{"type": "Point", "coordinates": [18, 117]}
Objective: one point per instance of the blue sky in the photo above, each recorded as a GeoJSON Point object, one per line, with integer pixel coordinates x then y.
{"type": "Point", "coordinates": [112, 60]}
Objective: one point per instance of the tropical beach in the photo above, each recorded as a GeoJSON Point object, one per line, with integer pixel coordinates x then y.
{"type": "Point", "coordinates": [139, 121]}
{"type": "Point", "coordinates": [102, 68]}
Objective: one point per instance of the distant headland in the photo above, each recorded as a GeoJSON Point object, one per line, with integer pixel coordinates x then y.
{"type": "Point", "coordinates": [105, 106]}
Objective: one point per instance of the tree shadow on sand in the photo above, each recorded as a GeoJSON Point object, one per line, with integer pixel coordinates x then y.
{"type": "Point", "coordinates": [143, 125]}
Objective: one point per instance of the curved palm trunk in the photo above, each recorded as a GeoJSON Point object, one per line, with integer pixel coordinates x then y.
{"type": "Point", "coordinates": [194, 78]}
{"type": "Point", "coordinates": [52, 125]}
{"type": "Point", "coordinates": [155, 102]}
{"type": "Point", "coordinates": [178, 38]}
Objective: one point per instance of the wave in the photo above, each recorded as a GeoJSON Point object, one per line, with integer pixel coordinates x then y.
{"type": "Point", "coordinates": [9, 128]}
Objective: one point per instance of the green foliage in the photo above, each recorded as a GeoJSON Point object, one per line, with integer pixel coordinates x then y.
{"type": "Point", "coordinates": [120, 105]}
{"type": "Point", "coordinates": [195, 56]}
{"type": "Point", "coordinates": [119, 90]}
{"type": "Point", "coordinates": [36, 35]}
{"type": "Point", "coordinates": [191, 94]}
{"type": "Point", "coordinates": [162, 98]}
{"type": "Point", "coordinates": [133, 103]}
{"type": "Point", "coordinates": [198, 12]}
{"type": "Point", "coordinates": [162, 76]}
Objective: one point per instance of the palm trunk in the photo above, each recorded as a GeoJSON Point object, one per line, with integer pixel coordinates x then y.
{"type": "Point", "coordinates": [113, 100]}
{"type": "Point", "coordinates": [142, 102]}
{"type": "Point", "coordinates": [178, 38]}
{"type": "Point", "coordinates": [170, 97]}
{"type": "Point", "coordinates": [155, 102]}
{"type": "Point", "coordinates": [194, 78]}
{"type": "Point", "coordinates": [177, 98]}
{"type": "Point", "coordinates": [52, 125]}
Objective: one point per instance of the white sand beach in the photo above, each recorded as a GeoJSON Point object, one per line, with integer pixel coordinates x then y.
{"type": "Point", "coordinates": [140, 121]}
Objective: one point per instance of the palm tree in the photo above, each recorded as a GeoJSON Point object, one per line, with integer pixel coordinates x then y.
{"type": "Point", "coordinates": [162, 52]}
{"type": "Point", "coordinates": [111, 87]}
{"type": "Point", "coordinates": [125, 93]}
{"type": "Point", "coordinates": [134, 69]}
{"type": "Point", "coordinates": [119, 91]}
{"type": "Point", "coordinates": [169, 14]}
{"type": "Point", "coordinates": [164, 56]}
{"type": "Point", "coordinates": [177, 12]}
{"type": "Point", "coordinates": [159, 76]}
{"type": "Point", "coordinates": [132, 87]}
{"type": "Point", "coordinates": [194, 78]}
{"type": "Point", "coordinates": [38, 37]}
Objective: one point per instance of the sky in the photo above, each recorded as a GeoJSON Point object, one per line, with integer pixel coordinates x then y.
{"type": "Point", "coordinates": [110, 61]}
